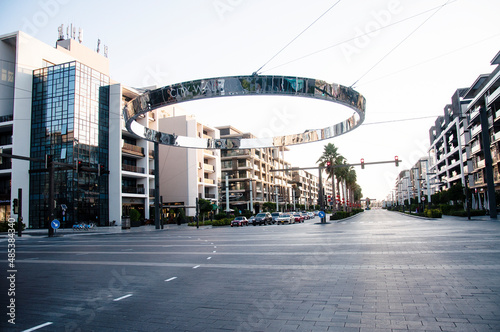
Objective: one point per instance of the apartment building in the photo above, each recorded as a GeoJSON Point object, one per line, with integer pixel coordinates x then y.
{"type": "Point", "coordinates": [306, 188]}
{"type": "Point", "coordinates": [483, 113]}
{"type": "Point", "coordinates": [449, 162]}
{"type": "Point", "coordinates": [187, 174]}
{"type": "Point", "coordinates": [61, 102]}
{"type": "Point", "coordinates": [251, 179]}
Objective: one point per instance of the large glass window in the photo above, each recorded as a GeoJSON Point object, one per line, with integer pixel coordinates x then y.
{"type": "Point", "coordinates": [70, 121]}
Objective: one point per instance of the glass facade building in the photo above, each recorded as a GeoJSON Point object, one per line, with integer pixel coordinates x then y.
{"type": "Point", "coordinates": [70, 122]}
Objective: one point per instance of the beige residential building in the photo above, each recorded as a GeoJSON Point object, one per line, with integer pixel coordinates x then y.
{"type": "Point", "coordinates": [187, 174]}
{"type": "Point", "coordinates": [251, 178]}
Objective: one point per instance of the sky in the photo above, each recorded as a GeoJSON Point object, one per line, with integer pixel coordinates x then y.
{"type": "Point", "coordinates": [406, 57]}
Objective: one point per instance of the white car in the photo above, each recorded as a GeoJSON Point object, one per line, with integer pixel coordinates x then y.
{"type": "Point", "coordinates": [285, 218]}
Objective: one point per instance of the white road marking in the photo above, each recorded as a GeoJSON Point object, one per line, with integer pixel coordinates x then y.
{"type": "Point", "coordinates": [170, 279]}
{"type": "Point", "coordinates": [209, 257]}
{"type": "Point", "coordinates": [123, 297]}
{"type": "Point", "coordinates": [38, 327]}
{"type": "Point", "coordinates": [195, 267]}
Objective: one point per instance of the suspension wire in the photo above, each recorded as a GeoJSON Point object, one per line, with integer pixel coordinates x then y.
{"type": "Point", "coordinates": [353, 38]}
{"type": "Point", "coordinates": [431, 59]}
{"type": "Point", "coordinates": [401, 42]}
{"type": "Point", "coordinates": [310, 25]}
{"type": "Point", "coordinates": [401, 120]}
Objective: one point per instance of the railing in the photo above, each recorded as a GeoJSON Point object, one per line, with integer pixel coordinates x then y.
{"type": "Point", "coordinates": [133, 190]}
{"type": "Point", "coordinates": [135, 169]}
{"type": "Point", "coordinates": [5, 118]}
{"type": "Point", "coordinates": [208, 167]}
{"type": "Point", "coordinates": [475, 130]}
{"type": "Point", "coordinates": [208, 181]}
{"type": "Point", "coordinates": [134, 149]}
{"type": "Point", "coordinates": [209, 195]}
{"type": "Point", "coordinates": [475, 148]}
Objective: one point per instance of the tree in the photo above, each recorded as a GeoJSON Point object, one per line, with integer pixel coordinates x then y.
{"type": "Point", "coordinates": [204, 206]}
{"type": "Point", "coordinates": [350, 181]}
{"type": "Point", "coordinates": [330, 156]}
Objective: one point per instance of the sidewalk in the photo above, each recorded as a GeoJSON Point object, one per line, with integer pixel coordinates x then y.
{"type": "Point", "coordinates": [97, 230]}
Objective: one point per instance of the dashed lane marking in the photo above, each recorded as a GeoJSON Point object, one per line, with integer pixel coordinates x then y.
{"type": "Point", "coordinates": [38, 327]}
{"type": "Point", "coordinates": [123, 297]}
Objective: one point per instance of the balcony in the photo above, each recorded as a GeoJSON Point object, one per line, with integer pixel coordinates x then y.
{"type": "Point", "coordinates": [133, 190]}
{"type": "Point", "coordinates": [208, 181]}
{"type": "Point", "coordinates": [133, 149]}
{"type": "Point", "coordinates": [476, 130]}
{"type": "Point", "coordinates": [475, 148]}
{"type": "Point", "coordinates": [208, 167]}
{"type": "Point", "coordinates": [134, 169]}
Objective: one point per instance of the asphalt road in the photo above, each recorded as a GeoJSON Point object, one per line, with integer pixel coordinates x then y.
{"type": "Point", "coordinates": [378, 271]}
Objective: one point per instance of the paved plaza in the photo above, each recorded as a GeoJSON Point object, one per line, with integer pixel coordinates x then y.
{"type": "Point", "coordinates": [377, 271]}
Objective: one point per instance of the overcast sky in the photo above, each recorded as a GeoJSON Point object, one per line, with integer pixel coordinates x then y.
{"type": "Point", "coordinates": [417, 53]}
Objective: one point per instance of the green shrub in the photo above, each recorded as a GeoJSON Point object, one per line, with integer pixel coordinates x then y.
{"type": "Point", "coordinates": [463, 213]}
{"type": "Point", "coordinates": [222, 222]}
{"type": "Point", "coordinates": [433, 213]}
{"type": "Point", "coordinates": [220, 216]}
{"type": "Point", "coordinates": [134, 215]}
{"type": "Point", "coordinates": [4, 226]}
{"type": "Point", "coordinates": [201, 223]}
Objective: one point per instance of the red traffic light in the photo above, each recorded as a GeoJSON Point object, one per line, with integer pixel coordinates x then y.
{"type": "Point", "coordinates": [362, 163]}
{"type": "Point", "coordinates": [396, 161]}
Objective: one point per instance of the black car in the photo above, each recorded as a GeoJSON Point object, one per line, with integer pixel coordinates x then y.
{"type": "Point", "coordinates": [263, 218]}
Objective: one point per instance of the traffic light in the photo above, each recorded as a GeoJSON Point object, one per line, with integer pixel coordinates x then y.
{"type": "Point", "coordinates": [15, 206]}
{"type": "Point", "coordinates": [48, 161]}
{"type": "Point", "coordinates": [396, 160]}
{"type": "Point", "coordinates": [362, 163]}
{"type": "Point", "coordinates": [78, 166]}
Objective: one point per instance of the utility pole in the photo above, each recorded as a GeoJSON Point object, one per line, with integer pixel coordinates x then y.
{"type": "Point", "coordinates": [50, 166]}
{"type": "Point", "coordinates": [157, 184]}
{"type": "Point", "coordinates": [20, 214]}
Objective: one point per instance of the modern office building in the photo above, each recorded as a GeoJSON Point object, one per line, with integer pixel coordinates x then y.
{"type": "Point", "coordinates": [251, 178]}
{"type": "Point", "coordinates": [187, 174]}
{"type": "Point", "coordinates": [60, 102]}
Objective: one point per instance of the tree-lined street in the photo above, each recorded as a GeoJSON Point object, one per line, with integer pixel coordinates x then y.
{"type": "Point", "coordinates": [377, 271]}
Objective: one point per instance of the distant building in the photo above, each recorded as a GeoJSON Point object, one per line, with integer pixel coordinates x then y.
{"type": "Point", "coordinates": [187, 174]}
{"type": "Point", "coordinates": [250, 176]}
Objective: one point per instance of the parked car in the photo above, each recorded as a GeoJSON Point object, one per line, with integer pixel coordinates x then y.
{"type": "Point", "coordinates": [275, 216]}
{"type": "Point", "coordinates": [311, 215]}
{"type": "Point", "coordinates": [239, 221]}
{"type": "Point", "coordinates": [263, 218]}
{"type": "Point", "coordinates": [251, 220]}
{"type": "Point", "coordinates": [305, 215]}
{"type": "Point", "coordinates": [298, 217]}
{"type": "Point", "coordinates": [285, 218]}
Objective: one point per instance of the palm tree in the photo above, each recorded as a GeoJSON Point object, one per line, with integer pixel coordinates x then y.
{"type": "Point", "coordinates": [330, 156]}
{"type": "Point", "coordinates": [341, 175]}
{"type": "Point", "coordinates": [350, 180]}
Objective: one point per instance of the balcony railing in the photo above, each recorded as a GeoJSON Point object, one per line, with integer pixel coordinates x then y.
{"type": "Point", "coordinates": [133, 149]}
{"type": "Point", "coordinates": [208, 181]}
{"type": "Point", "coordinates": [135, 169]}
{"type": "Point", "coordinates": [208, 167]}
{"type": "Point", "coordinates": [133, 190]}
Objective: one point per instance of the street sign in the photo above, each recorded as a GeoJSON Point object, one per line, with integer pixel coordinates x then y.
{"type": "Point", "coordinates": [321, 214]}
{"type": "Point", "coordinates": [55, 224]}
{"type": "Point", "coordinates": [423, 198]}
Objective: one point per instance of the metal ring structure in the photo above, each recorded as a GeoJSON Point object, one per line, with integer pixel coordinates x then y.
{"type": "Point", "coordinates": [252, 85]}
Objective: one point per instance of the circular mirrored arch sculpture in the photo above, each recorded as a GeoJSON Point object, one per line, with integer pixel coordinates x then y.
{"type": "Point", "coordinates": [252, 85]}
